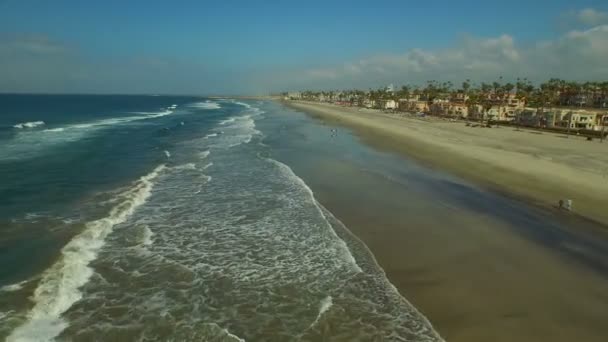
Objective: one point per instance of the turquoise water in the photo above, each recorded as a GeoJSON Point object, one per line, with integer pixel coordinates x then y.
{"type": "Point", "coordinates": [172, 218]}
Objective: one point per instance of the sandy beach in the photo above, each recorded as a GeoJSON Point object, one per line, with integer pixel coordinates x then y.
{"type": "Point", "coordinates": [481, 266]}
{"type": "Point", "coordinates": [541, 167]}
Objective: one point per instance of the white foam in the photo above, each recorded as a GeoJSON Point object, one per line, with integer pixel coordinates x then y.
{"type": "Point", "coordinates": [13, 287]}
{"type": "Point", "coordinates": [30, 124]}
{"type": "Point", "coordinates": [210, 135]}
{"type": "Point", "coordinates": [324, 305]}
{"type": "Point", "coordinates": [59, 129]}
{"type": "Point", "coordinates": [167, 154]}
{"type": "Point", "coordinates": [346, 254]}
{"type": "Point", "coordinates": [227, 121]}
{"type": "Point", "coordinates": [206, 105]}
{"type": "Point", "coordinates": [154, 114]}
{"type": "Point", "coordinates": [233, 336]}
{"type": "Point", "coordinates": [188, 166]}
{"type": "Point", "coordinates": [112, 121]}
{"type": "Point", "coordinates": [146, 239]}
{"type": "Point", "coordinates": [218, 333]}
{"type": "Point", "coordinates": [243, 104]}
{"type": "Point", "coordinates": [5, 314]}
{"type": "Point", "coordinates": [203, 154]}
{"type": "Point", "coordinates": [383, 278]}
{"type": "Point", "coordinates": [29, 143]}
{"type": "Point", "coordinates": [238, 130]}
{"type": "Point", "coordinates": [207, 166]}
{"type": "Point", "coordinates": [60, 285]}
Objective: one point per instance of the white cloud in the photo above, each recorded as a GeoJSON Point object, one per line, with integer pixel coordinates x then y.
{"type": "Point", "coordinates": [37, 63]}
{"type": "Point", "coordinates": [590, 16]}
{"type": "Point", "coordinates": [578, 55]}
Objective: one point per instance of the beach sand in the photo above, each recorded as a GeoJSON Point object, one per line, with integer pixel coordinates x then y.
{"type": "Point", "coordinates": [542, 167]}
{"type": "Point", "coordinates": [473, 274]}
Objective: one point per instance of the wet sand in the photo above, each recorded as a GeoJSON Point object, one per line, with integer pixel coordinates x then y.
{"type": "Point", "coordinates": [542, 168]}
{"type": "Point", "coordinates": [477, 272]}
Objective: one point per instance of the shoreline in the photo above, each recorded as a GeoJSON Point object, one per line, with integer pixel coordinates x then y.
{"type": "Point", "coordinates": [511, 272]}
{"type": "Point", "coordinates": [525, 175]}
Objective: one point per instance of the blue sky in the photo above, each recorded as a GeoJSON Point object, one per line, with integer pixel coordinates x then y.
{"type": "Point", "coordinates": [213, 47]}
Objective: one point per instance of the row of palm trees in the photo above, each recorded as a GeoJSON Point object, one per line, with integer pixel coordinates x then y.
{"type": "Point", "coordinates": [554, 92]}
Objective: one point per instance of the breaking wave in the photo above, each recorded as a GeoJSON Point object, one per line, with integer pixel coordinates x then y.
{"type": "Point", "coordinates": [29, 143]}
{"type": "Point", "coordinates": [30, 124]}
{"type": "Point", "coordinates": [206, 105]}
{"type": "Point", "coordinates": [227, 121]}
{"type": "Point", "coordinates": [13, 287]}
{"type": "Point", "coordinates": [60, 285]}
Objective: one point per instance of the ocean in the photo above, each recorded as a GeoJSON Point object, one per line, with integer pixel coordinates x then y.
{"type": "Point", "coordinates": [167, 218]}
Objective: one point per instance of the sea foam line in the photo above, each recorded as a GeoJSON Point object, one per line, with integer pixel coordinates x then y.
{"type": "Point", "coordinates": [206, 105]}
{"type": "Point", "coordinates": [243, 104]}
{"type": "Point", "coordinates": [223, 122]}
{"type": "Point", "coordinates": [30, 124]}
{"type": "Point", "coordinates": [324, 305]}
{"type": "Point", "coordinates": [327, 303]}
{"type": "Point", "coordinates": [13, 287]}
{"type": "Point", "coordinates": [111, 121]}
{"type": "Point", "coordinates": [60, 285]}
{"type": "Point", "coordinates": [346, 251]}
{"type": "Point", "coordinates": [379, 271]}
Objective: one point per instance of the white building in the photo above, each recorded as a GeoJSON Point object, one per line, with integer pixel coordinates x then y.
{"type": "Point", "coordinates": [580, 119]}
{"type": "Point", "coordinates": [388, 104]}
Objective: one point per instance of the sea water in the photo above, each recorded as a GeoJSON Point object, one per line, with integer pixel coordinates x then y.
{"type": "Point", "coordinates": [159, 218]}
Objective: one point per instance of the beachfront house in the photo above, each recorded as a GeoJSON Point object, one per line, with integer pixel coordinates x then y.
{"type": "Point", "coordinates": [551, 116]}
{"type": "Point", "coordinates": [493, 114]}
{"type": "Point", "coordinates": [387, 104]}
{"type": "Point", "coordinates": [602, 122]}
{"type": "Point", "coordinates": [439, 106]}
{"type": "Point", "coordinates": [529, 117]}
{"type": "Point", "coordinates": [294, 95]}
{"type": "Point", "coordinates": [413, 104]}
{"type": "Point", "coordinates": [579, 119]}
{"type": "Point", "coordinates": [369, 103]}
{"type": "Point", "coordinates": [421, 106]}
{"type": "Point", "coordinates": [459, 110]}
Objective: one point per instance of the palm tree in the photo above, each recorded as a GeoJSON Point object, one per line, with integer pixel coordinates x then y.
{"type": "Point", "coordinates": [466, 85]}
{"type": "Point", "coordinates": [405, 91]}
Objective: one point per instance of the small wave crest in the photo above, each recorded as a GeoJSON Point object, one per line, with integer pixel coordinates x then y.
{"type": "Point", "coordinates": [58, 129]}
{"type": "Point", "coordinates": [227, 121]}
{"type": "Point", "coordinates": [206, 105]}
{"type": "Point", "coordinates": [60, 285]}
{"type": "Point", "coordinates": [30, 124]}
{"type": "Point", "coordinates": [324, 305]}
{"type": "Point", "coordinates": [146, 237]}
{"type": "Point", "coordinates": [164, 112]}
{"type": "Point", "coordinates": [243, 104]}
{"type": "Point", "coordinates": [235, 131]}
{"type": "Point", "coordinates": [13, 287]}
{"type": "Point", "coordinates": [203, 154]}
{"type": "Point", "coordinates": [188, 166]}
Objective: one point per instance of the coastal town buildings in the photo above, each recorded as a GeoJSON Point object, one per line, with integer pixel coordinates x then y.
{"type": "Point", "coordinates": [555, 104]}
